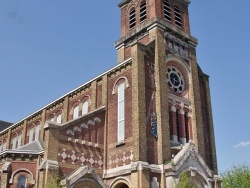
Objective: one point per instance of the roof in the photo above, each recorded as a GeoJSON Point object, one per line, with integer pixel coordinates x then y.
{"type": "Point", "coordinates": [33, 148]}
{"type": "Point", "coordinates": [4, 125]}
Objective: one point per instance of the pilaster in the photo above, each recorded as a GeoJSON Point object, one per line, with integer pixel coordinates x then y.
{"type": "Point", "coordinates": [139, 103]}
{"type": "Point", "coordinates": [104, 103]}
{"type": "Point", "coordinates": [198, 133]}
{"type": "Point", "coordinates": [41, 136]}
{"type": "Point", "coordinates": [24, 132]}
{"type": "Point", "coordinates": [65, 109]}
{"type": "Point", "coordinates": [93, 95]}
{"type": "Point", "coordinates": [6, 172]}
{"type": "Point", "coordinates": [120, 54]}
{"type": "Point", "coordinates": [210, 124]}
{"type": "Point", "coordinates": [163, 127]}
{"type": "Point", "coordinates": [9, 139]}
{"type": "Point", "coordinates": [51, 141]}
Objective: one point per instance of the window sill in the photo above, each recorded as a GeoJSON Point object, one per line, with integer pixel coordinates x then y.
{"type": "Point", "coordinates": [120, 143]}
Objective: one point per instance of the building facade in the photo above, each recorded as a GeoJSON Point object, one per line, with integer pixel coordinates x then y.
{"type": "Point", "coordinates": [141, 124]}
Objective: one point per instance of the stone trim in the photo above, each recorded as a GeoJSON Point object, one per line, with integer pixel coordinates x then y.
{"type": "Point", "coordinates": [49, 164]}
{"type": "Point", "coordinates": [135, 166]}
{"type": "Point", "coordinates": [22, 169]}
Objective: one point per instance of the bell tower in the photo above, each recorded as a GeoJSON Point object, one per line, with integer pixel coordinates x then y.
{"type": "Point", "coordinates": [171, 94]}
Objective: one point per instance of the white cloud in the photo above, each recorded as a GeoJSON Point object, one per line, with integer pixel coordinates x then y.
{"type": "Point", "coordinates": [242, 144]}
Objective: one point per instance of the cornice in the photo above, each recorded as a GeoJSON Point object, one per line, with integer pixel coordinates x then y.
{"type": "Point", "coordinates": [144, 28]}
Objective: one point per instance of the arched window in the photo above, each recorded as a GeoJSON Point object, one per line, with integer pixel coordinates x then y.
{"type": "Point", "coordinates": [14, 142]}
{"type": "Point", "coordinates": [76, 112]}
{"type": "Point", "coordinates": [143, 11]}
{"type": "Point", "coordinates": [177, 14]}
{"type": "Point", "coordinates": [167, 10]}
{"type": "Point", "coordinates": [59, 118]}
{"type": "Point", "coordinates": [132, 20]}
{"type": "Point", "coordinates": [85, 107]}
{"type": "Point", "coordinates": [121, 113]}
{"type": "Point", "coordinates": [37, 132]}
{"type": "Point", "coordinates": [19, 141]}
{"type": "Point", "coordinates": [21, 182]}
{"type": "Point", "coordinates": [51, 118]}
{"type": "Point", "coordinates": [4, 145]}
{"type": "Point", "coordinates": [31, 135]}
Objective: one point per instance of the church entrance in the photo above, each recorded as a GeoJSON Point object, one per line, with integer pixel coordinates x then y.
{"type": "Point", "coordinates": [121, 185]}
{"type": "Point", "coordinates": [87, 183]}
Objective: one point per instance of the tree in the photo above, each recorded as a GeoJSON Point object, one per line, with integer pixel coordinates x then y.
{"type": "Point", "coordinates": [237, 176]}
{"type": "Point", "coordinates": [184, 182]}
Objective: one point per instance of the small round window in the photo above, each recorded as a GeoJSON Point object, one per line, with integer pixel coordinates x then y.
{"type": "Point", "coordinates": [175, 79]}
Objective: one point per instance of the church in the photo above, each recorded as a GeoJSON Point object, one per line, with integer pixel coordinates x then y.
{"type": "Point", "coordinates": [141, 124]}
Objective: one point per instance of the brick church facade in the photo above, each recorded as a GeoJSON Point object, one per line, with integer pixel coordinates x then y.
{"type": "Point", "coordinates": [138, 125]}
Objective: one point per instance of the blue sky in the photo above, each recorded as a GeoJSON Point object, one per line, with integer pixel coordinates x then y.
{"type": "Point", "coordinates": [48, 48]}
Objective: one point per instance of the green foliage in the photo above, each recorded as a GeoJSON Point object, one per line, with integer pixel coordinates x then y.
{"type": "Point", "coordinates": [236, 177]}
{"type": "Point", "coordinates": [184, 182]}
{"type": "Point", "coordinates": [54, 182]}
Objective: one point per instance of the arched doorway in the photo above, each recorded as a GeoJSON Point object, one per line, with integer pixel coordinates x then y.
{"type": "Point", "coordinates": [121, 185]}
{"type": "Point", "coordinates": [88, 183]}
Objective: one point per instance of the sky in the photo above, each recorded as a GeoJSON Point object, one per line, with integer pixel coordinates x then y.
{"type": "Point", "coordinates": [48, 48]}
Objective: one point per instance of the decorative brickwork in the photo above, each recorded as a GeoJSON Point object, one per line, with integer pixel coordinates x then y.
{"type": "Point", "coordinates": [70, 156]}
{"type": "Point", "coordinates": [120, 159]}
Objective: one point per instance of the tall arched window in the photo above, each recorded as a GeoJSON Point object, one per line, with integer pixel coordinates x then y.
{"type": "Point", "coordinates": [52, 118]}
{"type": "Point", "coordinates": [132, 20]}
{"type": "Point", "coordinates": [76, 112]}
{"type": "Point", "coordinates": [59, 118]}
{"type": "Point", "coordinates": [21, 182]}
{"type": "Point", "coordinates": [143, 11]}
{"type": "Point", "coordinates": [167, 10]}
{"type": "Point", "coordinates": [19, 141]}
{"type": "Point", "coordinates": [121, 113]}
{"type": "Point", "coordinates": [177, 14]}
{"type": "Point", "coordinates": [31, 135]}
{"type": "Point", "coordinates": [5, 145]}
{"type": "Point", "coordinates": [37, 132]}
{"type": "Point", "coordinates": [14, 142]}
{"type": "Point", "coordinates": [85, 107]}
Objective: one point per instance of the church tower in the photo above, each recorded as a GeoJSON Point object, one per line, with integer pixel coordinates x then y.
{"type": "Point", "coordinates": [171, 105]}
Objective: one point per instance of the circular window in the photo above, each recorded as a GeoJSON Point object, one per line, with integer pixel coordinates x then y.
{"type": "Point", "coordinates": [175, 79]}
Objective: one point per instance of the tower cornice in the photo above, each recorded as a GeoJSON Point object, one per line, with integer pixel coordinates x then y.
{"type": "Point", "coordinates": [143, 29]}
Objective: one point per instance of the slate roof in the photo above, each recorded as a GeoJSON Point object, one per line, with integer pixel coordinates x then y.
{"type": "Point", "coordinates": [35, 148]}
{"type": "Point", "coordinates": [4, 125]}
